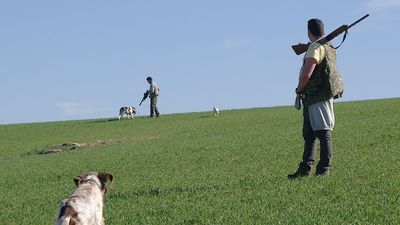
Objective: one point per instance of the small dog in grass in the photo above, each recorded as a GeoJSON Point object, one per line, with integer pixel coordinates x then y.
{"type": "Point", "coordinates": [128, 110]}
{"type": "Point", "coordinates": [85, 205]}
{"type": "Point", "coordinates": [216, 111]}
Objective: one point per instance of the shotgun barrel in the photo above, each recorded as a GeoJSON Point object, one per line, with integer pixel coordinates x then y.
{"type": "Point", "coordinates": [301, 48]}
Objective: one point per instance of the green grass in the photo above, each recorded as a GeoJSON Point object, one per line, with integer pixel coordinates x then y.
{"type": "Point", "coordinates": [197, 169]}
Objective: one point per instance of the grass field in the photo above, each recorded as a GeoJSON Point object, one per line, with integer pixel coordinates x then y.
{"type": "Point", "coordinates": [197, 169]}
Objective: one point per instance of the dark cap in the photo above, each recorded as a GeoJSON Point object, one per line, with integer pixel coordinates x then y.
{"type": "Point", "coordinates": [316, 27]}
{"type": "Point", "coordinates": [149, 78]}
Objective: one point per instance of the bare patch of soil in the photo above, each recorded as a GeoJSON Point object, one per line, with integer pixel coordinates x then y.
{"type": "Point", "coordinates": [67, 146]}
{"type": "Point", "coordinates": [71, 146]}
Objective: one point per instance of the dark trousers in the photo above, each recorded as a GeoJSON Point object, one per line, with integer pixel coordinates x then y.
{"type": "Point", "coordinates": [310, 146]}
{"type": "Point", "coordinates": [153, 106]}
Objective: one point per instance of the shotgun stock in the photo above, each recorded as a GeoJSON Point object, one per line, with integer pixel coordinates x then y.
{"type": "Point", "coordinates": [301, 48]}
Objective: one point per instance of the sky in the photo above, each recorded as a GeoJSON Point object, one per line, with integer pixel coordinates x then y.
{"type": "Point", "coordinates": [72, 60]}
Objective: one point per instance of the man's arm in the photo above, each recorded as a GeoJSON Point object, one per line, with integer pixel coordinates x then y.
{"type": "Point", "coordinates": [306, 73]}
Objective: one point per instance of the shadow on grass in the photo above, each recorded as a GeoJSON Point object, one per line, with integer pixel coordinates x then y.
{"type": "Point", "coordinates": [206, 116]}
{"type": "Point", "coordinates": [103, 120]}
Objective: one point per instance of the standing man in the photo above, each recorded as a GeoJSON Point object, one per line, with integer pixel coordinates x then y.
{"type": "Point", "coordinates": [319, 83]}
{"type": "Point", "coordinates": [153, 93]}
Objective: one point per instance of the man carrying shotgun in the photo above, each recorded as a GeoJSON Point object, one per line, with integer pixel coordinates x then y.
{"type": "Point", "coordinates": [319, 83]}
{"type": "Point", "coordinates": [153, 93]}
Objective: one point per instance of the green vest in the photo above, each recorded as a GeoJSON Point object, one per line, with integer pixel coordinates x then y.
{"type": "Point", "coordinates": [325, 82]}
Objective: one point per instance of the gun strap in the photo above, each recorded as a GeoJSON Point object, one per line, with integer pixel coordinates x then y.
{"type": "Point", "coordinates": [344, 38]}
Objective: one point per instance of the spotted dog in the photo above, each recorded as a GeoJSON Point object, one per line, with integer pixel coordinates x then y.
{"type": "Point", "coordinates": [128, 110]}
{"type": "Point", "coordinates": [85, 205]}
{"type": "Point", "coordinates": [216, 111]}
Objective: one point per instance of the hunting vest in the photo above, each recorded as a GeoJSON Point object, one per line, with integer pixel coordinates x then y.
{"type": "Point", "coordinates": [325, 82]}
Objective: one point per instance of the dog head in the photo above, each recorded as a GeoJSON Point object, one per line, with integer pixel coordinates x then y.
{"type": "Point", "coordinates": [100, 179]}
{"type": "Point", "coordinates": [216, 111]}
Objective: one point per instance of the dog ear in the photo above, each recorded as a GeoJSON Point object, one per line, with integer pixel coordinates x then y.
{"type": "Point", "coordinates": [104, 177]}
{"type": "Point", "coordinates": [77, 180]}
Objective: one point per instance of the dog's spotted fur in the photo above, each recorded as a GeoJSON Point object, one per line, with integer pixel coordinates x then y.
{"type": "Point", "coordinates": [85, 205]}
{"type": "Point", "coordinates": [128, 110]}
{"type": "Point", "coordinates": [216, 111]}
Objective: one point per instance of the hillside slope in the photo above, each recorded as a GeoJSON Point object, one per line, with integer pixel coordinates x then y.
{"type": "Point", "coordinates": [195, 168]}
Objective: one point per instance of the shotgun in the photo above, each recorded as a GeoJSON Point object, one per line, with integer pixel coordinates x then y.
{"type": "Point", "coordinates": [145, 95]}
{"type": "Point", "coordinates": [301, 48]}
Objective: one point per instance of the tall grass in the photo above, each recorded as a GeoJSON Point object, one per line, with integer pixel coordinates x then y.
{"type": "Point", "coordinates": [195, 168]}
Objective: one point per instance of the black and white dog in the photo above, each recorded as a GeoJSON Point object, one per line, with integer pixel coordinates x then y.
{"type": "Point", "coordinates": [216, 111]}
{"type": "Point", "coordinates": [128, 110]}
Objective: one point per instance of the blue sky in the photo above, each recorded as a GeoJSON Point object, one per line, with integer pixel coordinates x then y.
{"type": "Point", "coordinates": [68, 60]}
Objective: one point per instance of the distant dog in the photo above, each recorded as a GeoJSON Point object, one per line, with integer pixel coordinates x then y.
{"type": "Point", "coordinates": [216, 111]}
{"type": "Point", "coordinates": [128, 110]}
{"type": "Point", "coordinates": [85, 205]}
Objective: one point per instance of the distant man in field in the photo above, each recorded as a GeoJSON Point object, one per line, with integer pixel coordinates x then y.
{"type": "Point", "coordinates": [318, 85]}
{"type": "Point", "coordinates": [153, 93]}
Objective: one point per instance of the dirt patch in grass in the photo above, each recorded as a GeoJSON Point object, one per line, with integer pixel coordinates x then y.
{"type": "Point", "coordinates": [67, 146]}
{"type": "Point", "coordinates": [71, 146]}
